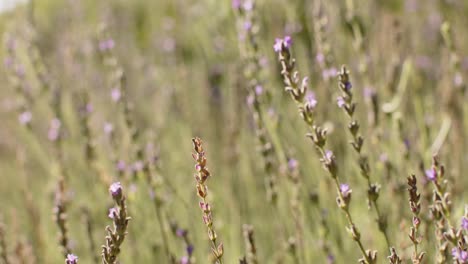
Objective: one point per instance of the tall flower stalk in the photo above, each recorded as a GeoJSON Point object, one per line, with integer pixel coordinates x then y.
{"type": "Point", "coordinates": [306, 103]}
{"type": "Point", "coordinates": [201, 177]}
{"type": "Point", "coordinates": [415, 206]}
{"type": "Point", "coordinates": [346, 102]}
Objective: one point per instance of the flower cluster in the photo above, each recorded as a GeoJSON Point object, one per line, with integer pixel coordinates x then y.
{"type": "Point", "coordinates": [116, 234]}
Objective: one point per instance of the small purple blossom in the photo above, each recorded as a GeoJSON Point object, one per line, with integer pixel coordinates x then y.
{"type": "Point", "coordinates": [184, 260]}
{"type": "Point", "coordinates": [340, 101]}
{"type": "Point", "coordinates": [108, 128]}
{"type": "Point", "coordinates": [278, 45]}
{"type": "Point", "coordinates": [236, 4]}
{"type": "Point", "coordinates": [116, 94]}
{"type": "Point", "coordinates": [247, 25]}
{"type": "Point", "coordinates": [112, 213]}
{"type": "Point", "coordinates": [71, 259]}
{"type": "Point", "coordinates": [329, 154]}
{"type": "Point", "coordinates": [464, 223]}
{"type": "Point", "coordinates": [310, 99]}
{"type": "Point", "coordinates": [320, 58]}
{"type": "Point", "coordinates": [54, 129]}
{"type": "Point", "coordinates": [345, 190]}
{"type": "Point", "coordinates": [286, 41]}
{"type": "Point", "coordinates": [460, 255]}
{"type": "Point", "coordinates": [190, 249]}
{"type": "Point", "coordinates": [116, 190]}
{"type": "Point", "coordinates": [121, 166]}
{"type": "Point", "coordinates": [106, 45]}
{"type": "Point", "coordinates": [25, 118]}
{"type": "Point", "coordinates": [181, 232]}
{"type": "Point", "coordinates": [292, 164]}
{"type": "Point", "coordinates": [250, 100]}
{"type": "Point", "coordinates": [348, 86]}
{"type": "Point", "coordinates": [258, 89]}
{"type": "Point", "coordinates": [248, 5]}
{"type": "Point", "coordinates": [431, 174]}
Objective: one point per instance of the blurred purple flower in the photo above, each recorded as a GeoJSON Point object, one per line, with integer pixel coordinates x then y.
{"type": "Point", "coordinates": [248, 5]}
{"type": "Point", "coordinates": [106, 44]}
{"type": "Point", "coordinates": [286, 41]}
{"type": "Point", "coordinates": [320, 58]}
{"type": "Point", "coordinates": [464, 223]}
{"type": "Point", "coordinates": [108, 128]}
{"type": "Point", "coordinates": [8, 62]}
{"type": "Point", "coordinates": [25, 118]}
{"type": "Point", "coordinates": [258, 89]}
{"type": "Point", "coordinates": [112, 212]}
{"type": "Point", "coordinates": [431, 174]}
{"type": "Point", "coordinates": [190, 249]}
{"type": "Point", "coordinates": [460, 255]}
{"type": "Point", "coordinates": [310, 99]}
{"type": "Point", "coordinates": [184, 260]}
{"type": "Point", "coordinates": [292, 164]}
{"type": "Point", "coordinates": [121, 165]}
{"type": "Point", "coordinates": [345, 190]}
{"type": "Point", "coordinates": [116, 94]}
{"type": "Point", "coordinates": [340, 101]}
{"type": "Point", "coordinates": [116, 190]}
{"type": "Point", "coordinates": [54, 129]}
{"type": "Point", "coordinates": [181, 232]}
{"type": "Point", "coordinates": [247, 25]}
{"type": "Point", "coordinates": [278, 45]}
{"type": "Point", "coordinates": [329, 154]}
{"type": "Point", "coordinates": [71, 259]}
{"type": "Point", "coordinates": [236, 4]}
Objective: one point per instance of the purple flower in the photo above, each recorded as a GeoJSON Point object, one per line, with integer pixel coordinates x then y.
{"type": "Point", "coordinates": [106, 45]}
{"type": "Point", "coordinates": [464, 223]}
{"type": "Point", "coordinates": [345, 190]}
{"type": "Point", "coordinates": [248, 5]}
{"type": "Point", "coordinates": [116, 94]}
{"type": "Point", "coordinates": [181, 232]}
{"type": "Point", "coordinates": [190, 249]}
{"type": "Point", "coordinates": [121, 165]}
{"type": "Point", "coordinates": [236, 4]}
{"type": "Point", "coordinates": [286, 41]}
{"type": "Point", "coordinates": [247, 25]}
{"type": "Point", "coordinates": [460, 255]}
{"type": "Point", "coordinates": [108, 128]}
{"type": "Point", "coordinates": [116, 190]}
{"type": "Point", "coordinates": [71, 259]}
{"type": "Point", "coordinates": [320, 58]}
{"type": "Point", "coordinates": [25, 118]}
{"type": "Point", "coordinates": [329, 155]}
{"type": "Point", "coordinates": [292, 164]}
{"type": "Point", "coordinates": [258, 89]}
{"type": "Point", "coordinates": [184, 260]}
{"type": "Point", "coordinates": [310, 99]}
{"type": "Point", "coordinates": [113, 212]}
{"type": "Point", "coordinates": [250, 100]}
{"type": "Point", "coordinates": [348, 86]}
{"type": "Point", "coordinates": [431, 174]}
{"type": "Point", "coordinates": [340, 101]}
{"type": "Point", "coordinates": [54, 129]}
{"type": "Point", "coordinates": [278, 45]}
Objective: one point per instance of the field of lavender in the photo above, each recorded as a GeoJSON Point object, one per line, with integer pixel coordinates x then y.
{"type": "Point", "coordinates": [243, 131]}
